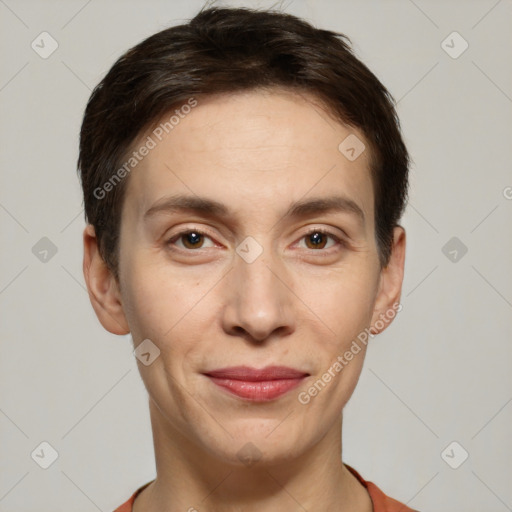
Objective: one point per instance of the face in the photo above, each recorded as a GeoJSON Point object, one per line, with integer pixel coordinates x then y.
{"type": "Point", "coordinates": [255, 281]}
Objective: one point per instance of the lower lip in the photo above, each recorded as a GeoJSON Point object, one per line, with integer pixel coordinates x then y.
{"type": "Point", "coordinates": [257, 391]}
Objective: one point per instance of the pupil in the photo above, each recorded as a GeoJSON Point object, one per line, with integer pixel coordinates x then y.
{"type": "Point", "coordinates": [315, 237]}
{"type": "Point", "coordinates": [193, 238]}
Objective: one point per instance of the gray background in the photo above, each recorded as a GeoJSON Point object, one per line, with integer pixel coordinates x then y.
{"type": "Point", "coordinates": [440, 373]}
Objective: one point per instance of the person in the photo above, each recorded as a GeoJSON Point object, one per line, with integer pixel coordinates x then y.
{"type": "Point", "coordinates": [244, 176]}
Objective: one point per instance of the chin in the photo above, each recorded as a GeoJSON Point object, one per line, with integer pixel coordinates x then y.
{"type": "Point", "coordinates": [257, 450]}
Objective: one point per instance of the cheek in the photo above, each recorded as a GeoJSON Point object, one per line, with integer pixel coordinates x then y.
{"type": "Point", "coordinates": [142, 307]}
{"type": "Point", "coordinates": [344, 302]}
{"type": "Point", "coordinates": [150, 304]}
{"type": "Point", "coordinates": [345, 307]}
{"type": "Point", "coordinates": [162, 305]}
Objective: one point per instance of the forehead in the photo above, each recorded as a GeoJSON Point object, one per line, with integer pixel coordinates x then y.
{"type": "Point", "coordinates": [247, 148]}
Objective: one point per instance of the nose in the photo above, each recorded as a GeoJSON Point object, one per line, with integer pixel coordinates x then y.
{"type": "Point", "coordinates": [259, 301]}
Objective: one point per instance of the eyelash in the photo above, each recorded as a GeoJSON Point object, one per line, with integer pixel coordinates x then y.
{"type": "Point", "coordinates": [339, 241]}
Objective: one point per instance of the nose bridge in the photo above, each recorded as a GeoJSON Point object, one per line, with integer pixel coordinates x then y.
{"type": "Point", "coordinates": [259, 302]}
{"type": "Point", "coordinates": [255, 266]}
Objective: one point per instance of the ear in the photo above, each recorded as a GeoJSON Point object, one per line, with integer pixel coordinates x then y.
{"type": "Point", "coordinates": [102, 287]}
{"type": "Point", "coordinates": [387, 303]}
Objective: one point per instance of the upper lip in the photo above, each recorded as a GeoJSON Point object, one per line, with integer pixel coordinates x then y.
{"type": "Point", "coordinates": [246, 373]}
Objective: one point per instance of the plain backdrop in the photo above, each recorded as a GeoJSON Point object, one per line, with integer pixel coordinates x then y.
{"type": "Point", "coordinates": [439, 374]}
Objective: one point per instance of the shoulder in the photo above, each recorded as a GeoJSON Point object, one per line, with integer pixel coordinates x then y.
{"type": "Point", "coordinates": [127, 506]}
{"type": "Point", "coordinates": [380, 501]}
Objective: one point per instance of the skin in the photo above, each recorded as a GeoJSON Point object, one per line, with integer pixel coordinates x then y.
{"type": "Point", "coordinates": [206, 308]}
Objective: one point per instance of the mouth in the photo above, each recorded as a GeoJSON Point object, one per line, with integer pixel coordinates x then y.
{"type": "Point", "coordinates": [258, 385]}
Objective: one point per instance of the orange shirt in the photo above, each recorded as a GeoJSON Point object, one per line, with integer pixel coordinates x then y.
{"type": "Point", "coordinates": [381, 502]}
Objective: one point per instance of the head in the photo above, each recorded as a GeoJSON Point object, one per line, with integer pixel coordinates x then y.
{"type": "Point", "coordinates": [244, 176]}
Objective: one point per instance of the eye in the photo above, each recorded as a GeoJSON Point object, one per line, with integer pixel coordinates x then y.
{"type": "Point", "coordinates": [190, 238]}
{"type": "Point", "coordinates": [316, 239]}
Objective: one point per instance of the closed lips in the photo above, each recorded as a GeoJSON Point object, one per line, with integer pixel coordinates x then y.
{"type": "Point", "coordinates": [249, 374]}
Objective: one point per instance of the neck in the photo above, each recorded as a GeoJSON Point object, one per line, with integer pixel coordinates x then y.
{"type": "Point", "coordinates": [192, 479]}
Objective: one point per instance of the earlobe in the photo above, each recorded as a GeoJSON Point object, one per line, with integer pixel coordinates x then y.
{"type": "Point", "coordinates": [387, 303]}
{"type": "Point", "coordinates": [102, 286]}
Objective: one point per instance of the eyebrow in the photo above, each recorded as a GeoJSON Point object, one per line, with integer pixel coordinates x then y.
{"type": "Point", "coordinates": [209, 207]}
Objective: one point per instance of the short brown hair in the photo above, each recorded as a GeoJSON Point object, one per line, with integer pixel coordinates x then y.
{"type": "Point", "coordinates": [223, 50]}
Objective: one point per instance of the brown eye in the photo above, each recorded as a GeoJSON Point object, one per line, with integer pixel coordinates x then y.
{"type": "Point", "coordinates": [317, 240]}
{"type": "Point", "coordinates": [190, 239]}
